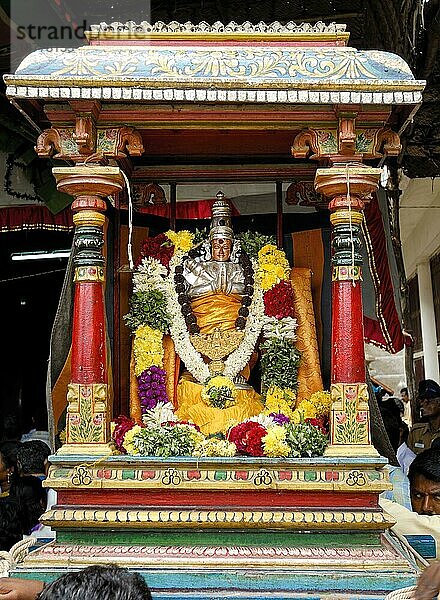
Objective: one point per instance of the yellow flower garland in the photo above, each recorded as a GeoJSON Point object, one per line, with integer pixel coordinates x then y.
{"type": "Point", "coordinates": [273, 266]}
{"type": "Point", "coordinates": [322, 402]}
{"type": "Point", "coordinates": [280, 401]}
{"type": "Point", "coordinates": [148, 348]}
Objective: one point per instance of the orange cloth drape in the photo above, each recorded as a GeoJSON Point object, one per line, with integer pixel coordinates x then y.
{"type": "Point", "coordinates": [309, 372]}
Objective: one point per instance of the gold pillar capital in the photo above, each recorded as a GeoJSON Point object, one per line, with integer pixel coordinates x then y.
{"type": "Point", "coordinates": [84, 181]}
{"type": "Point", "coordinates": [348, 186]}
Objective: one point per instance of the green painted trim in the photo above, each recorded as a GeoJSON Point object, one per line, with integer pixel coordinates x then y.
{"type": "Point", "coordinates": [216, 538]}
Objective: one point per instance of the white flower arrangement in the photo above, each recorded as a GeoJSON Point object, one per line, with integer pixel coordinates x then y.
{"type": "Point", "coordinates": [264, 420]}
{"type": "Point", "coordinates": [149, 275]}
{"type": "Point", "coordinates": [284, 328]}
{"type": "Point", "coordinates": [161, 413]}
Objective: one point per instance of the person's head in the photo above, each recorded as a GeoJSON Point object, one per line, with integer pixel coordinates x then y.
{"type": "Point", "coordinates": [43, 450]}
{"type": "Point", "coordinates": [31, 498]}
{"type": "Point", "coordinates": [7, 465]}
{"type": "Point", "coordinates": [424, 479]}
{"type": "Point", "coordinates": [32, 458]}
{"type": "Point", "coordinates": [392, 422]}
{"type": "Point", "coordinates": [404, 394]}
{"type": "Point", "coordinates": [429, 399]}
{"type": "Point", "coordinates": [10, 525]}
{"type": "Point", "coordinates": [435, 445]}
{"type": "Point", "coordinates": [398, 402]}
{"type": "Point", "coordinates": [103, 582]}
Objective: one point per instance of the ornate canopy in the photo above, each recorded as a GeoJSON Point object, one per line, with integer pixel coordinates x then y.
{"type": "Point", "coordinates": [260, 64]}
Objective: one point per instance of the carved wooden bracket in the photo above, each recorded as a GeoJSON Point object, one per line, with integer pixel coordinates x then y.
{"type": "Point", "coordinates": [48, 144]}
{"type": "Point", "coordinates": [305, 143]}
{"type": "Point", "coordinates": [129, 141]}
{"type": "Point", "coordinates": [148, 193]}
{"type": "Point", "coordinates": [387, 143]}
{"type": "Point", "coordinates": [347, 135]}
{"type": "Point", "coordinates": [85, 142]}
{"type": "Point", "coordinates": [302, 193]}
{"type": "Point", "coordinates": [85, 135]}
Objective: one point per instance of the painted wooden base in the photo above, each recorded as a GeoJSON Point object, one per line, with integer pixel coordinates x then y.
{"type": "Point", "coordinates": [208, 572]}
{"type": "Point", "coordinates": [226, 527]}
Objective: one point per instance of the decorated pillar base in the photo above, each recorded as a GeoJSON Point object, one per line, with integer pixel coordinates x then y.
{"type": "Point", "coordinates": [351, 450]}
{"type": "Point", "coordinates": [87, 419]}
{"type": "Point", "coordinates": [102, 450]}
{"type": "Point", "coordinates": [350, 421]}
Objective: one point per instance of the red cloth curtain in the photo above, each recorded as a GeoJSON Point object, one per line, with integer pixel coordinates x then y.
{"type": "Point", "coordinates": [34, 217]}
{"type": "Point", "coordinates": [194, 209]}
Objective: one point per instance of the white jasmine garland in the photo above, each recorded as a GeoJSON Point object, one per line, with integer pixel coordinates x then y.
{"type": "Point", "coordinates": [149, 275]}
{"type": "Point", "coordinates": [180, 335]}
{"type": "Point", "coordinates": [284, 328]}
{"type": "Point", "coordinates": [194, 362]}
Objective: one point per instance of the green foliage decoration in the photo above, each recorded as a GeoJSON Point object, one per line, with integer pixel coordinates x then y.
{"type": "Point", "coordinates": [252, 242]}
{"type": "Point", "coordinates": [165, 440]}
{"type": "Point", "coordinates": [148, 308]}
{"type": "Point", "coordinates": [305, 440]}
{"type": "Point", "coordinates": [279, 364]}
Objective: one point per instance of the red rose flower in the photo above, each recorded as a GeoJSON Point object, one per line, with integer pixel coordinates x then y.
{"type": "Point", "coordinates": [123, 424]}
{"type": "Point", "coordinates": [158, 247]}
{"type": "Point", "coordinates": [278, 301]}
{"type": "Point", "coordinates": [321, 423]}
{"type": "Point", "coordinates": [247, 437]}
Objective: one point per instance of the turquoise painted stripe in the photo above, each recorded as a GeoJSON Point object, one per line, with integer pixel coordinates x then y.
{"type": "Point", "coordinates": [208, 585]}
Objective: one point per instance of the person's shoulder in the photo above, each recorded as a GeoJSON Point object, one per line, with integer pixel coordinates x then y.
{"type": "Point", "coordinates": [419, 427]}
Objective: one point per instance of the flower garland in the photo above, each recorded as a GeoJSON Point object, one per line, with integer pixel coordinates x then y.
{"type": "Point", "coordinates": [180, 334]}
{"type": "Point", "coordinates": [284, 428]}
{"type": "Point", "coordinates": [148, 316]}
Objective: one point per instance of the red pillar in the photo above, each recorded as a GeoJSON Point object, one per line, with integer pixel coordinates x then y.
{"type": "Point", "coordinates": [88, 408]}
{"type": "Point", "coordinates": [348, 186]}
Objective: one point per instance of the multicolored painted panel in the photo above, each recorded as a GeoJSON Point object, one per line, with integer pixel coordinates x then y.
{"type": "Point", "coordinates": [203, 63]}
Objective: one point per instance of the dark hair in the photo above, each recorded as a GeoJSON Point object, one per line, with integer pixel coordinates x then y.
{"type": "Point", "coordinates": [8, 453]}
{"type": "Point", "coordinates": [30, 459]}
{"type": "Point", "coordinates": [428, 389]}
{"type": "Point", "coordinates": [8, 456]}
{"type": "Point", "coordinates": [392, 421]}
{"type": "Point", "coordinates": [427, 464]}
{"type": "Point", "coordinates": [31, 498]}
{"type": "Point", "coordinates": [404, 432]}
{"type": "Point", "coordinates": [399, 405]}
{"type": "Point", "coordinates": [404, 391]}
{"type": "Point", "coordinates": [435, 444]}
{"type": "Point", "coordinates": [41, 447]}
{"type": "Point", "coordinates": [10, 523]}
{"type": "Point", "coordinates": [98, 582]}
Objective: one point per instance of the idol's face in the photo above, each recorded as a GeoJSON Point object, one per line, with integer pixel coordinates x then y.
{"type": "Point", "coordinates": [221, 249]}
